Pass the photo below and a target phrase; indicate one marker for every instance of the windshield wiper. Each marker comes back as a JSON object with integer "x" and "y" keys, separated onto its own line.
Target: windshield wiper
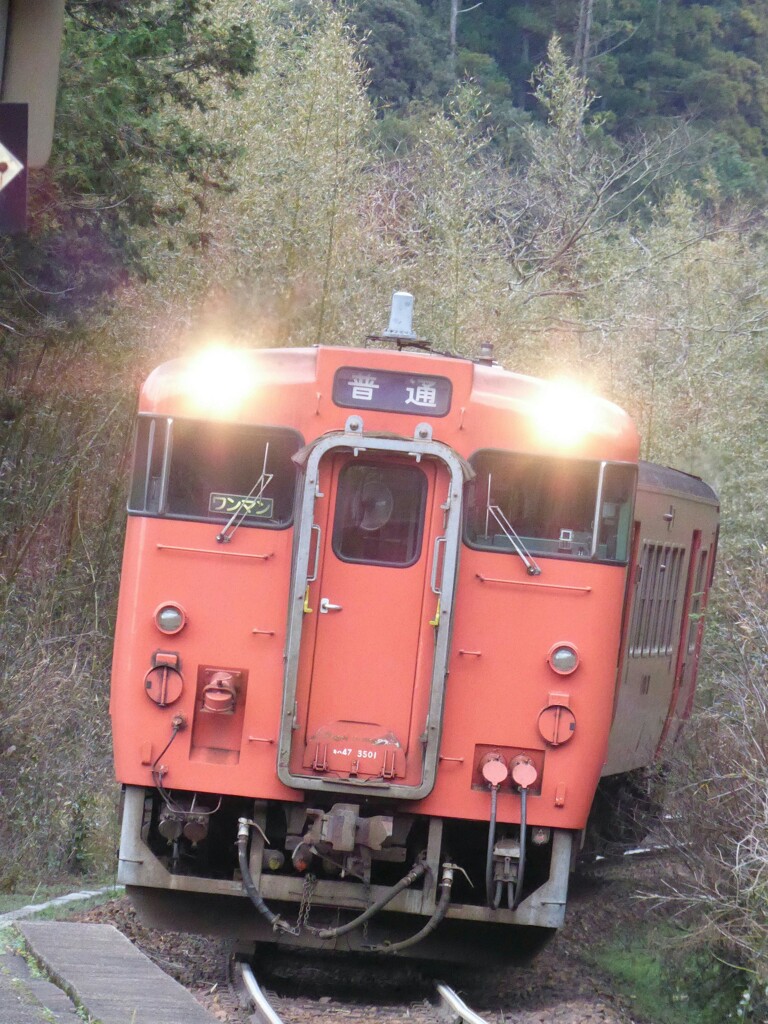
{"x": 509, "y": 532}
{"x": 257, "y": 491}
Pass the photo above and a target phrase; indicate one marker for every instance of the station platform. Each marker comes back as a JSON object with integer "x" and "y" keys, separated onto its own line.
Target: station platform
{"x": 93, "y": 967}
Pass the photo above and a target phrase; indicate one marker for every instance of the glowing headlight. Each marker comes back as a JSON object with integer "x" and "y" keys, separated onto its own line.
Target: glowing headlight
{"x": 565, "y": 413}
{"x": 563, "y": 659}
{"x": 170, "y": 618}
{"x": 219, "y": 378}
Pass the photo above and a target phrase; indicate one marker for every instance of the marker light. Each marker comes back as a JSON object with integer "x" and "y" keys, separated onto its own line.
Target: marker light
{"x": 539, "y": 835}
{"x": 565, "y": 413}
{"x": 219, "y": 378}
{"x": 563, "y": 659}
{"x": 170, "y": 618}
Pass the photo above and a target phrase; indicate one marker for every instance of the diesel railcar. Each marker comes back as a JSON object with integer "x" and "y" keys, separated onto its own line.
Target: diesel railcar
{"x": 387, "y": 617}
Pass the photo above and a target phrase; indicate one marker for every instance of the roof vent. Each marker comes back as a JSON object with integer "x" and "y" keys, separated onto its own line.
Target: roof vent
{"x": 486, "y": 353}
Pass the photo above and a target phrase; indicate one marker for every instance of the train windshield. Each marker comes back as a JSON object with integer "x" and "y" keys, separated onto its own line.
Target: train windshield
{"x": 564, "y": 508}
{"x": 194, "y": 469}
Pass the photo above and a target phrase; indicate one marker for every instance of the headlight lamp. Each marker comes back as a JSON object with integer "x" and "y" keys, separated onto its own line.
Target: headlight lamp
{"x": 565, "y": 413}
{"x": 563, "y": 659}
{"x": 170, "y": 618}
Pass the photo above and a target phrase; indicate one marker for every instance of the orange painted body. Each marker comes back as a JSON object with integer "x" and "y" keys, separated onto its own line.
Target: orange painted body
{"x": 369, "y": 661}
{"x": 495, "y": 698}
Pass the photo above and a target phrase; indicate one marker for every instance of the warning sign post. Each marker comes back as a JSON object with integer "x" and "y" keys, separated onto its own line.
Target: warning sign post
{"x": 14, "y": 127}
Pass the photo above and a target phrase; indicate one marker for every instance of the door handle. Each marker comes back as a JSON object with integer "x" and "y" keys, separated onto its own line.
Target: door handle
{"x": 436, "y": 562}
{"x": 315, "y": 529}
{"x": 326, "y": 606}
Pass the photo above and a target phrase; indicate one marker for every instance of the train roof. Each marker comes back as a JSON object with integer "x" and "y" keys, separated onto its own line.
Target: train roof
{"x": 259, "y": 374}
{"x": 652, "y": 476}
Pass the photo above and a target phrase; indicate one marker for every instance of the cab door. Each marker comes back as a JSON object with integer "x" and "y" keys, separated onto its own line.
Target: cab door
{"x": 368, "y": 652}
{"x": 376, "y": 549}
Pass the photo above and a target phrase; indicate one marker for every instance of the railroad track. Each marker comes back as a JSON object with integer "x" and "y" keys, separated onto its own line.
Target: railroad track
{"x": 451, "y": 1002}
{"x": 454, "y": 1008}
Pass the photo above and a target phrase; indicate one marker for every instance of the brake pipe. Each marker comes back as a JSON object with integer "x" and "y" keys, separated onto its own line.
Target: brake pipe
{"x": 446, "y": 883}
{"x": 489, "y": 893}
{"x": 416, "y": 872}
{"x": 523, "y": 837}
{"x": 524, "y": 775}
{"x": 243, "y": 832}
{"x": 494, "y": 772}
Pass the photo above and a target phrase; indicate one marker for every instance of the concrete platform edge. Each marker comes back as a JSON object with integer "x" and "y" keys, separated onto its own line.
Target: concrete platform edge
{"x": 103, "y": 973}
{"x": 52, "y": 974}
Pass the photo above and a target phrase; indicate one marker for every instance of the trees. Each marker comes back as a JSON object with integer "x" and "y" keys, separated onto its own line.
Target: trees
{"x": 68, "y": 356}
{"x": 648, "y": 62}
{"x": 718, "y": 802}
{"x": 405, "y": 50}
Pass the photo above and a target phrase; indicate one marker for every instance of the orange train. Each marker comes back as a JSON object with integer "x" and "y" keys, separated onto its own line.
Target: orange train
{"x": 386, "y": 620}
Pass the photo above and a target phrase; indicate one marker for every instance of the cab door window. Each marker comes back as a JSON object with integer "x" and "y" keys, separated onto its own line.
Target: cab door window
{"x": 379, "y": 514}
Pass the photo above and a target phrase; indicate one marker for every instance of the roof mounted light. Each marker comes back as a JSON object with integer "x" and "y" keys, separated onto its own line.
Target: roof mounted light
{"x": 565, "y": 413}
{"x": 401, "y": 316}
{"x": 400, "y": 329}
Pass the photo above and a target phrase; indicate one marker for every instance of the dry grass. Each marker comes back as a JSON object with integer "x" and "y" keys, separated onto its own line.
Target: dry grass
{"x": 718, "y": 797}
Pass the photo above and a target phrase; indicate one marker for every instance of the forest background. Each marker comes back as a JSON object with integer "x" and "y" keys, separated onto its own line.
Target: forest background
{"x": 580, "y": 183}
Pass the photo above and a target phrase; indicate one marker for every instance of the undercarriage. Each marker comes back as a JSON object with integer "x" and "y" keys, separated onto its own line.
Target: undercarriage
{"x": 340, "y": 877}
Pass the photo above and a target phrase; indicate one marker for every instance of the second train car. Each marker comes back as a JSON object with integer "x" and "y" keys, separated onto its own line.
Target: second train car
{"x": 386, "y": 619}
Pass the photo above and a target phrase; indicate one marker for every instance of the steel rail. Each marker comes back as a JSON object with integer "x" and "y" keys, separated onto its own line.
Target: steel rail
{"x": 264, "y": 1012}
{"x": 460, "y": 1010}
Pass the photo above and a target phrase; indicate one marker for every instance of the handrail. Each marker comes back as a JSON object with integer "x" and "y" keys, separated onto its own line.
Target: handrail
{"x": 526, "y": 583}
{"x": 209, "y": 551}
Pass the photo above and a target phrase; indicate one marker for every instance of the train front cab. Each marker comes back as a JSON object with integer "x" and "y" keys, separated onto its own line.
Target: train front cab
{"x": 399, "y": 665}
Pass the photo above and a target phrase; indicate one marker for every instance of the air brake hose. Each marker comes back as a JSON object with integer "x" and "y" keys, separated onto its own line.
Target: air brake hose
{"x": 523, "y": 837}
{"x": 493, "y": 894}
{"x": 446, "y": 882}
{"x": 489, "y": 894}
{"x": 331, "y": 933}
{"x": 254, "y": 895}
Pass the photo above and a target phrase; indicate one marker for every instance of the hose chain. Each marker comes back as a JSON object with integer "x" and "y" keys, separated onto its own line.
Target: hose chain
{"x": 310, "y": 884}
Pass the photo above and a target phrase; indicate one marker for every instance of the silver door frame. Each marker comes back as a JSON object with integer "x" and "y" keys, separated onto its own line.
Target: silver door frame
{"x": 354, "y": 439}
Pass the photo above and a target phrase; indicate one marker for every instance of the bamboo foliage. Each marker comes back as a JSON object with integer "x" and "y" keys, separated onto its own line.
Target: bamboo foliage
{"x": 283, "y": 239}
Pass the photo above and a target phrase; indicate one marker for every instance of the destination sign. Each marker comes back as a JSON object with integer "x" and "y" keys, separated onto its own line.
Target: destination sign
{"x": 390, "y": 391}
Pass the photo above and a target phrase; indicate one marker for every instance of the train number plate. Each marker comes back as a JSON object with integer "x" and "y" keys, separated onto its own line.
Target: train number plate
{"x": 329, "y": 750}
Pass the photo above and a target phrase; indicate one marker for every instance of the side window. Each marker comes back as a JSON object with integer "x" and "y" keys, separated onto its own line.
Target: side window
{"x": 379, "y": 514}
{"x": 152, "y": 441}
{"x": 199, "y": 470}
{"x": 615, "y": 513}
